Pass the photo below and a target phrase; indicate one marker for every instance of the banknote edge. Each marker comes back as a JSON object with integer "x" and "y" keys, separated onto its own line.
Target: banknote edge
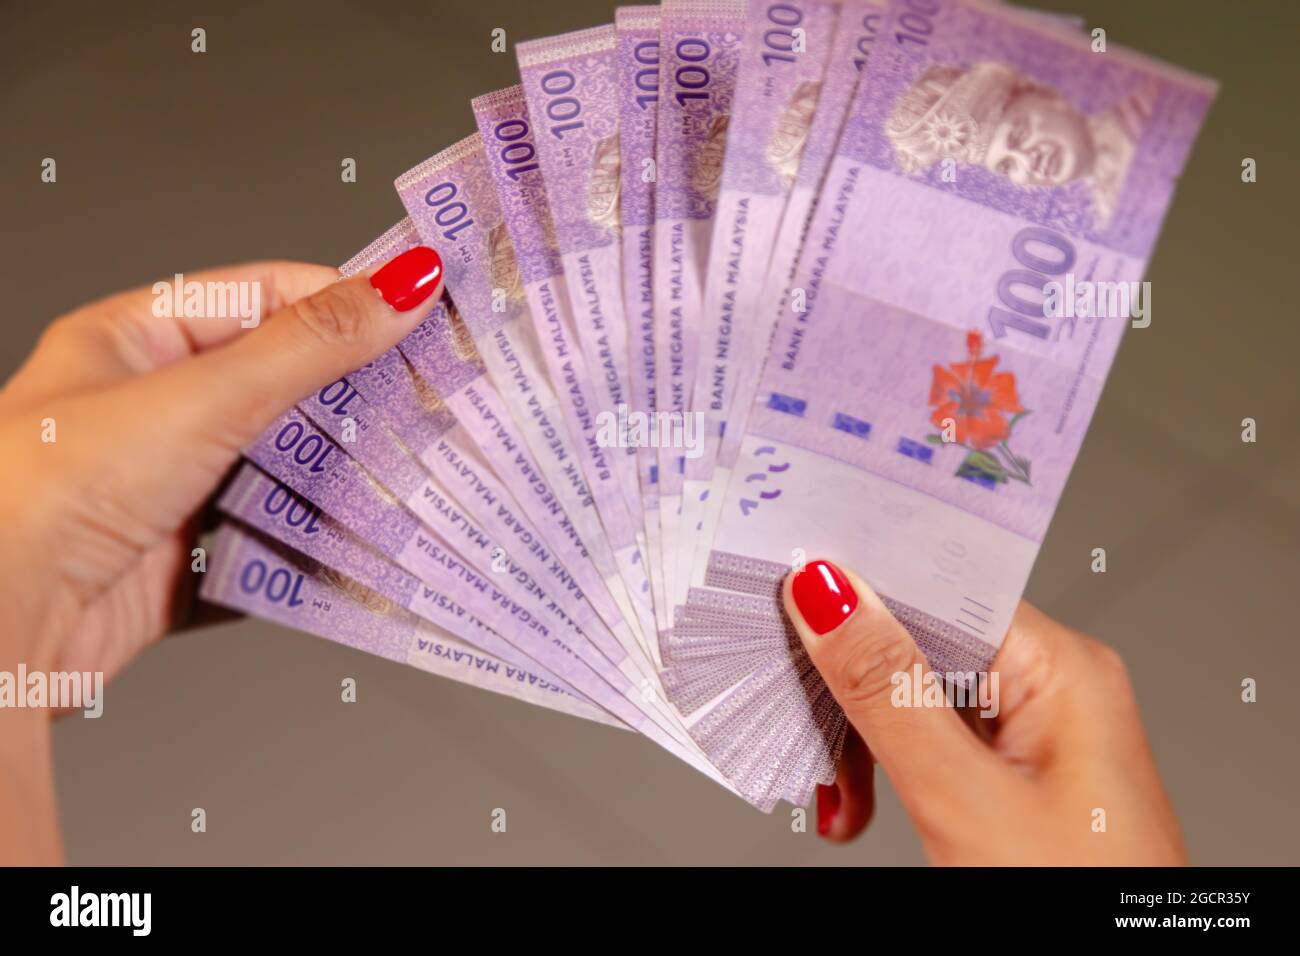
{"x": 234, "y": 529}
{"x": 439, "y": 161}
{"x": 241, "y": 486}
{"x": 638, "y": 17}
{"x": 948, "y": 648}
{"x": 506, "y": 96}
{"x": 378, "y": 250}
{"x": 1159, "y": 68}
{"x": 702, "y": 10}
{"x": 220, "y": 545}
{"x": 600, "y": 39}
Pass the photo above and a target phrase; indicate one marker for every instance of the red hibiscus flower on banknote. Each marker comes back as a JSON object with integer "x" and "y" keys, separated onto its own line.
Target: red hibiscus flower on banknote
{"x": 977, "y": 407}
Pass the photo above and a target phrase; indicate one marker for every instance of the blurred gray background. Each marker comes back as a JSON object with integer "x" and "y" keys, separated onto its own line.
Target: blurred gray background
{"x": 170, "y": 161}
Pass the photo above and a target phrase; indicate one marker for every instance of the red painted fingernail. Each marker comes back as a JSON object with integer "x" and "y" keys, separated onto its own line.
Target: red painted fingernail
{"x": 824, "y": 596}
{"x": 409, "y": 279}
{"x": 828, "y": 804}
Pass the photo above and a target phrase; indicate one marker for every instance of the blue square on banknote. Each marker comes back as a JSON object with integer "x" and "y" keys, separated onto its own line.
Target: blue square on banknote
{"x": 915, "y": 449}
{"x": 787, "y": 403}
{"x": 854, "y": 426}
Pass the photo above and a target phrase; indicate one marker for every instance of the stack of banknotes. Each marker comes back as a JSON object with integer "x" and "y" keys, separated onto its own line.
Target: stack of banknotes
{"x": 729, "y": 285}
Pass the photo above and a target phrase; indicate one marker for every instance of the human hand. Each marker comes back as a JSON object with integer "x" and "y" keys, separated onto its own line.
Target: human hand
{"x": 147, "y": 415}
{"x": 1018, "y": 788}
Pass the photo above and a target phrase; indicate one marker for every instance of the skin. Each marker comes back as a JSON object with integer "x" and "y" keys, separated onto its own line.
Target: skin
{"x": 1016, "y": 789}
{"x": 150, "y": 416}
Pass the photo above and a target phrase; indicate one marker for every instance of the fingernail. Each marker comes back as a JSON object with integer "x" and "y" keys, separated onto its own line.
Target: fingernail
{"x": 824, "y": 596}
{"x": 828, "y": 804}
{"x": 409, "y": 279}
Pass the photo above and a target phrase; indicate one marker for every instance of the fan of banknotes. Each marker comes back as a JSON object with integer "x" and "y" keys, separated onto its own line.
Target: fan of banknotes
{"x": 729, "y": 285}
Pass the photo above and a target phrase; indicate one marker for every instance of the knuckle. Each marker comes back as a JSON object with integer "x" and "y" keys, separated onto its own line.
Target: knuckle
{"x": 331, "y": 315}
{"x": 1108, "y": 662}
{"x": 866, "y": 672}
{"x": 57, "y": 334}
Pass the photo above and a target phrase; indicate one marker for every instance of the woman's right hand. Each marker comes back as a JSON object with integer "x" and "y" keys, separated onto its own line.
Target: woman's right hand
{"x": 1062, "y": 774}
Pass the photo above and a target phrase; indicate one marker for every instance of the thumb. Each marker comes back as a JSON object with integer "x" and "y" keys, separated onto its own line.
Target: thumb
{"x": 153, "y": 447}
{"x": 863, "y": 653}
{"x": 316, "y": 340}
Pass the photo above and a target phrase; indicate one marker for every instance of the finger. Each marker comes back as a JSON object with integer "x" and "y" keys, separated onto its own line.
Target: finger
{"x": 863, "y": 653}
{"x": 1065, "y": 696}
{"x": 138, "y": 458}
{"x": 1070, "y": 717}
{"x": 143, "y": 329}
{"x": 232, "y": 393}
{"x": 845, "y": 807}
{"x": 1046, "y": 693}
{"x": 168, "y": 322}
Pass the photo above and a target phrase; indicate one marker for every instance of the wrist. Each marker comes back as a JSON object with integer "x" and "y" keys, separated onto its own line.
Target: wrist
{"x": 31, "y": 633}
{"x": 28, "y": 823}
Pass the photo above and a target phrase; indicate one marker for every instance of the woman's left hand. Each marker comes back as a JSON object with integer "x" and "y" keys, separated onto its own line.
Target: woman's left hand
{"x": 114, "y": 433}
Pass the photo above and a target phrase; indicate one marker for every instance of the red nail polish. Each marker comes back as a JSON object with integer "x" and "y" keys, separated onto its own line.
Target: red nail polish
{"x": 409, "y": 279}
{"x": 824, "y": 596}
{"x": 828, "y": 804}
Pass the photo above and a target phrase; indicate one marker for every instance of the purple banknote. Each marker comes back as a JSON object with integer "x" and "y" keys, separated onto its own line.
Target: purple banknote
{"x": 434, "y": 393}
{"x": 477, "y": 251}
{"x": 502, "y": 596}
{"x": 509, "y": 142}
{"x": 778, "y": 87}
{"x": 699, "y": 55}
{"x": 730, "y": 285}
{"x": 637, "y": 63}
{"x": 855, "y": 34}
{"x": 571, "y": 87}
{"x": 452, "y": 201}
{"x": 919, "y": 416}
{"x": 250, "y": 575}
